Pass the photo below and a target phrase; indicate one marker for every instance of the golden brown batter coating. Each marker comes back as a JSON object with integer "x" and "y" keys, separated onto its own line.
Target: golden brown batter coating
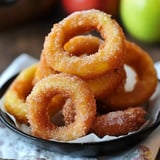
{"x": 119, "y": 122}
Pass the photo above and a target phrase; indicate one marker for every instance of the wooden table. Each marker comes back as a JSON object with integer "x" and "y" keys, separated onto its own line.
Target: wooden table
{"x": 29, "y": 38}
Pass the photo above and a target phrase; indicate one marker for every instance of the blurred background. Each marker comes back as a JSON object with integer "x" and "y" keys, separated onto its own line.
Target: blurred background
{"x": 25, "y": 23}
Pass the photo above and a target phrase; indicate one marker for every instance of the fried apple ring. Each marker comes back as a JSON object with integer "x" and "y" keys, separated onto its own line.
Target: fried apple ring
{"x": 43, "y": 69}
{"x": 104, "y": 84}
{"x": 83, "y": 45}
{"x": 90, "y": 45}
{"x": 119, "y": 122}
{"x": 87, "y": 44}
{"x": 68, "y": 112}
{"x": 110, "y": 53}
{"x": 14, "y": 99}
{"x": 146, "y": 81}
{"x": 70, "y": 87}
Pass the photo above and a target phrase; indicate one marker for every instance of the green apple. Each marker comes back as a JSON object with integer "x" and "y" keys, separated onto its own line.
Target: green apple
{"x": 141, "y": 18}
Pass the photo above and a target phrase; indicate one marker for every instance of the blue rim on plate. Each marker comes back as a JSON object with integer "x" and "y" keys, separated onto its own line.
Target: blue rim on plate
{"x": 88, "y": 149}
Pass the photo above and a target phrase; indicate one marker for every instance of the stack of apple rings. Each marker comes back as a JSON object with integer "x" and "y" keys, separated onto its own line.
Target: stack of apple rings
{"x": 85, "y": 79}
